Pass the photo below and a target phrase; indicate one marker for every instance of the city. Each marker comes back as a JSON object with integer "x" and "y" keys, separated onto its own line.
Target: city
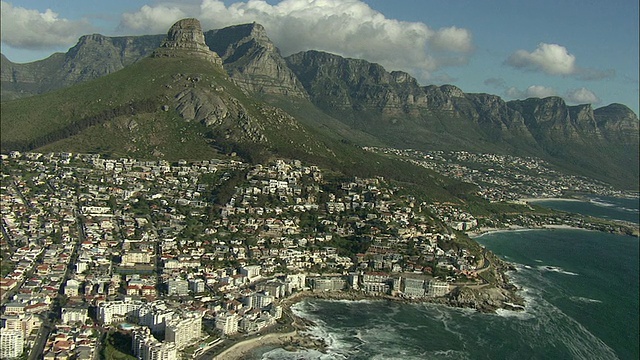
{"x": 188, "y": 257}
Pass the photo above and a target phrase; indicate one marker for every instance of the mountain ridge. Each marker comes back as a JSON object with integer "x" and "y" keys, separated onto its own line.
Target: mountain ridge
{"x": 389, "y": 106}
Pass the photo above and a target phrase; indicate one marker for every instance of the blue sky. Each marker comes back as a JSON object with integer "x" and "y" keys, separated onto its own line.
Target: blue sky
{"x": 582, "y": 50}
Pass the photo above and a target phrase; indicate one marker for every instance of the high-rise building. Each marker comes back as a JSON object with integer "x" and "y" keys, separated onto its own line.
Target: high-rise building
{"x": 11, "y": 343}
{"x": 184, "y": 331}
{"x": 114, "y": 311}
{"x": 178, "y": 287}
{"x": 437, "y": 288}
{"x": 227, "y": 323}
{"x": 414, "y": 287}
{"x": 250, "y": 271}
{"x": 155, "y": 315}
{"x": 74, "y": 314}
{"x": 146, "y": 347}
{"x": 197, "y": 285}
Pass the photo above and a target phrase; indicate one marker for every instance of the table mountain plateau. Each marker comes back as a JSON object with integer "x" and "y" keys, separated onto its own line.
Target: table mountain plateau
{"x": 248, "y": 88}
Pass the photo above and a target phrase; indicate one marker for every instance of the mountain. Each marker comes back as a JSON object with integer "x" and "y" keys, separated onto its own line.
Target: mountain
{"x": 92, "y": 57}
{"x": 139, "y": 104}
{"x": 602, "y": 144}
{"x": 253, "y": 61}
{"x": 249, "y": 56}
{"x": 336, "y": 104}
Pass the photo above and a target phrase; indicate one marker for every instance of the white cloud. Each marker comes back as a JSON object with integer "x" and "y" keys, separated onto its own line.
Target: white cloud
{"x": 552, "y": 59}
{"x": 582, "y": 96}
{"x": 536, "y": 91}
{"x": 555, "y": 59}
{"x": 152, "y": 20}
{"x": 30, "y": 29}
{"x": 453, "y": 39}
{"x": 346, "y": 27}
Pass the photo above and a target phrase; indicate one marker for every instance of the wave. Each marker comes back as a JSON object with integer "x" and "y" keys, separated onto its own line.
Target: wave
{"x": 278, "y": 354}
{"x": 556, "y": 269}
{"x": 432, "y": 331}
{"x": 585, "y": 300}
{"x": 600, "y": 202}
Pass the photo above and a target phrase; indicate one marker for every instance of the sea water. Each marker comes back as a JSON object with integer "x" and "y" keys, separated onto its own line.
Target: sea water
{"x": 581, "y": 290}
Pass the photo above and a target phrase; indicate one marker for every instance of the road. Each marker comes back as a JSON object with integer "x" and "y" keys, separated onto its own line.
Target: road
{"x": 37, "y": 350}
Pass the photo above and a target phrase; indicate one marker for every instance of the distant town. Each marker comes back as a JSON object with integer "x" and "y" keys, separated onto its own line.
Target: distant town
{"x": 107, "y": 257}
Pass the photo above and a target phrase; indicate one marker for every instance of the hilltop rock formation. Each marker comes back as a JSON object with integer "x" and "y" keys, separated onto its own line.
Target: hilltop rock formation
{"x": 186, "y": 39}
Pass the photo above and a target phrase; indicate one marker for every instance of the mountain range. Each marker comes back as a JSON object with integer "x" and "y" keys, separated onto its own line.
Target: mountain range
{"x": 193, "y": 94}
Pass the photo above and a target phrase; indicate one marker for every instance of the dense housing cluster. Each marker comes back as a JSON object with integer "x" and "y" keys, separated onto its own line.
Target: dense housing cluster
{"x": 180, "y": 256}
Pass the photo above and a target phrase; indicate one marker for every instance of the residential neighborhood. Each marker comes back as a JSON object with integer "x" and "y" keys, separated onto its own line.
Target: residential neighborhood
{"x": 179, "y": 257}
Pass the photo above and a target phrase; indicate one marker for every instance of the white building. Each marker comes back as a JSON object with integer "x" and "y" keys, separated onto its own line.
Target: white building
{"x": 11, "y": 343}
{"x": 146, "y": 347}
{"x": 74, "y": 314}
{"x": 414, "y": 287}
{"x": 178, "y": 287}
{"x": 114, "y": 311}
{"x": 82, "y": 266}
{"x": 184, "y": 331}
{"x": 131, "y": 258}
{"x": 155, "y": 315}
{"x": 71, "y": 287}
{"x": 227, "y": 323}
{"x": 197, "y": 285}
{"x": 437, "y": 288}
{"x": 261, "y": 300}
{"x": 250, "y": 271}
{"x": 296, "y": 282}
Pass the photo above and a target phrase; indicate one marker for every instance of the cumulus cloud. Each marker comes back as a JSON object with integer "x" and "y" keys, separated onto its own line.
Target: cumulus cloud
{"x": 582, "y": 96}
{"x": 346, "y": 27}
{"x": 453, "y": 39}
{"x": 576, "y": 96}
{"x": 149, "y": 19}
{"x": 30, "y": 29}
{"x": 552, "y": 59}
{"x": 537, "y": 91}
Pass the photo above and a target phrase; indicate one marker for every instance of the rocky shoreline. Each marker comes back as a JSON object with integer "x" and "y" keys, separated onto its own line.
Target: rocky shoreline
{"x": 485, "y": 298}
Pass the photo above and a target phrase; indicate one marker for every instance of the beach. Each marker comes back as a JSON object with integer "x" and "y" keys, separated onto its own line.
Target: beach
{"x": 241, "y": 349}
{"x": 526, "y": 200}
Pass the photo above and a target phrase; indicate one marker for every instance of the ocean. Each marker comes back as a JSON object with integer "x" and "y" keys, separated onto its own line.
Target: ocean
{"x": 581, "y": 290}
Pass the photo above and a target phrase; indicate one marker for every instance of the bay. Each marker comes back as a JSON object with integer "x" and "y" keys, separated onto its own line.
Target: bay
{"x": 605, "y": 207}
{"x": 581, "y": 290}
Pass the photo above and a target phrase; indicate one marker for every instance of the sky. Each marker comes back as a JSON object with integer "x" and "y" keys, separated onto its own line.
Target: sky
{"x": 585, "y": 51}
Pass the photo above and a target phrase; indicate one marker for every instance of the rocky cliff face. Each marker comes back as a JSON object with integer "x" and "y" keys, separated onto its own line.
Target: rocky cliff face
{"x": 92, "y": 57}
{"x": 253, "y": 61}
{"x": 552, "y": 120}
{"x": 393, "y": 107}
{"x": 351, "y": 84}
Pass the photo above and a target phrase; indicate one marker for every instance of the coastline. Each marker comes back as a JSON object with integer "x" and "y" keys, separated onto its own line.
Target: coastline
{"x": 527, "y": 200}
{"x": 484, "y": 231}
{"x": 480, "y": 298}
{"x": 241, "y": 349}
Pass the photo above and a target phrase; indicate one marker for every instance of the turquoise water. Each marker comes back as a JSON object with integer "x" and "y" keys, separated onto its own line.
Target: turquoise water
{"x": 581, "y": 290}
{"x": 598, "y": 206}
